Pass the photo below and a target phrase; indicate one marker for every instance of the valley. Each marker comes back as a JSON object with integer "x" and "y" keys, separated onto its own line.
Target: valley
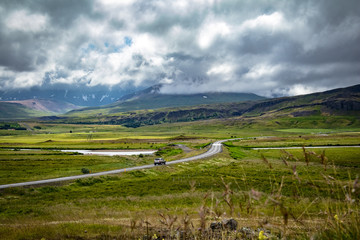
{"x": 111, "y": 204}
{"x": 268, "y": 177}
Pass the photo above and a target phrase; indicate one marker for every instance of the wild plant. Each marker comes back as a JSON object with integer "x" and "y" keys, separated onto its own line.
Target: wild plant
{"x": 187, "y": 226}
{"x": 192, "y": 186}
{"x": 227, "y": 196}
{"x": 203, "y": 213}
{"x": 168, "y": 221}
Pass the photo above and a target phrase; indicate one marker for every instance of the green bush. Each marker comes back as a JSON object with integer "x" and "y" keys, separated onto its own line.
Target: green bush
{"x": 85, "y": 170}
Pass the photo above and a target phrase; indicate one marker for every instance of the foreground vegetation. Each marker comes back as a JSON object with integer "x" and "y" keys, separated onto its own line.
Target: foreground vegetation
{"x": 295, "y": 193}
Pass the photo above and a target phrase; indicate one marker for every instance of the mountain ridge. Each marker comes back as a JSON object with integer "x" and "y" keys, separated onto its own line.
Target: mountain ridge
{"x": 336, "y": 102}
{"x": 152, "y": 98}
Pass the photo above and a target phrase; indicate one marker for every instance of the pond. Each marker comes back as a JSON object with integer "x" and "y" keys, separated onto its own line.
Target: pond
{"x": 113, "y": 152}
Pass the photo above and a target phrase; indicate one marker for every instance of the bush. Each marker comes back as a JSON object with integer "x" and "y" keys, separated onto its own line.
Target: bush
{"x": 85, "y": 170}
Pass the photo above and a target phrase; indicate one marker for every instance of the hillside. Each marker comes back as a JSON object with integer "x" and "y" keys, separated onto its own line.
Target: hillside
{"x": 17, "y": 111}
{"x": 151, "y": 98}
{"x": 23, "y": 109}
{"x": 337, "y": 102}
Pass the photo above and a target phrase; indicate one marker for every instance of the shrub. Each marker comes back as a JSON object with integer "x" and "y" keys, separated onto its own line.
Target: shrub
{"x": 85, "y": 170}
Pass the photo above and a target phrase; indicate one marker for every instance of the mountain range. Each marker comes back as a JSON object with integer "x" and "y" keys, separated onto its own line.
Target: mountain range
{"x": 337, "y": 102}
{"x": 36, "y": 102}
{"x": 152, "y": 98}
{"x": 77, "y": 95}
{"x": 150, "y": 106}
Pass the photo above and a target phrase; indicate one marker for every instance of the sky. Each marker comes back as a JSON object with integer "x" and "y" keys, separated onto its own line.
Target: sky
{"x": 267, "y": 47}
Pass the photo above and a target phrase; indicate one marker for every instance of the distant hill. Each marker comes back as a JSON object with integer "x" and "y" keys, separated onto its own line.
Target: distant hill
{"x": 76, "y": 94}
{"x": 341, "y": 101}
{"x": 337, "y": 102}
{"x": 12, "y": 111}
{"x": 33, "y": 108}
{"x": 152, "y": 98}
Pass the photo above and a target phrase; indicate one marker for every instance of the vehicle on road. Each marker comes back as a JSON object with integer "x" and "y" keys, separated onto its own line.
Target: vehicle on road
{"x": 159, "y": 161}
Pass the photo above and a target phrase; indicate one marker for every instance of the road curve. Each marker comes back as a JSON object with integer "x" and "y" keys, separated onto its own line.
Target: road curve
{"x": 215, "y": 148}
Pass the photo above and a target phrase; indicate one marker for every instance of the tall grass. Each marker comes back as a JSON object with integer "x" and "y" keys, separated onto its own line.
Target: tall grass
{"x": 333, "y": 212}
{"x": 300, "y": 195}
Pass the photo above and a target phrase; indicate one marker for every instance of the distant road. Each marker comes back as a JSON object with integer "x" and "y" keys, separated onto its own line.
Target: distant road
{"x": 310, "y": 147}
{"x": 215, "y": 148}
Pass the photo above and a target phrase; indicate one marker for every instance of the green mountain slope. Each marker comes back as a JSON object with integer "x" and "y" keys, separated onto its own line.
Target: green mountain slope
{"x": 24, "y": 109}
{"x": 17, "y": 111}
{"x": 342, "y": 101}
{"x": 339, "y": 102}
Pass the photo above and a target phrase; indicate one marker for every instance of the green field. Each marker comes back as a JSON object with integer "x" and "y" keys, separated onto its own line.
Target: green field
{"x": 319, "y": 198}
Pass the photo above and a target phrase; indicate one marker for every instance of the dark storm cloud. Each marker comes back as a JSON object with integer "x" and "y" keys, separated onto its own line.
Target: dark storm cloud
{"x": 62, "y": 13}
{"x": 273, "y": 47}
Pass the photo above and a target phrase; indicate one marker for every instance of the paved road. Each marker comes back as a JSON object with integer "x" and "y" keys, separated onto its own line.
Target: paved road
{"x": 215, "y": 148}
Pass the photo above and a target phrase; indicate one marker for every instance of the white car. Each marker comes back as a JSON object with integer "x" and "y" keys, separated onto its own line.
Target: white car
{"x": 159, "y": 161}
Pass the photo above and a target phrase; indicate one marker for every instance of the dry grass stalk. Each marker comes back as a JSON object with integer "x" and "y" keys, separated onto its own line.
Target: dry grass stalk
{"x": 168, "y": 221}
{"x": 133, "y": 223}
{"x": 227, "y": 196}
{"x": 147, "y": 223}
{"x": 323, "y": 159}
{"x": 186, "y": 221}
{"x": 192, "y": 186}
{"x": 217, "y": 211}
{"x": 295, "y": 173}
{"x": 306, "y": 156}
{"x": 266, "y": 161}
{"x": 285, "y": 155}
{"x": 255, "y": 194}
{"x": 203, "y": 212}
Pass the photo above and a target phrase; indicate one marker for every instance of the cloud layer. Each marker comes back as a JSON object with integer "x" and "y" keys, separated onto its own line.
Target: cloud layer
{"x": 275, "y": 47}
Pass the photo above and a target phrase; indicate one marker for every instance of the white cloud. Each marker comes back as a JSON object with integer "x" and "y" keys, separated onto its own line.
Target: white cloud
{"x": 210, "y": 31}
{"x": 262, "y": 70}
{"x": 116, "y": 3}
{"x": 223, "y": 72}
{"x": 22, "y": 20}
{"x": 300, "y": 89}
{"x": 272, "y": 22}
{"x": 24, "y": 79}
{"x": 220, "y": 69}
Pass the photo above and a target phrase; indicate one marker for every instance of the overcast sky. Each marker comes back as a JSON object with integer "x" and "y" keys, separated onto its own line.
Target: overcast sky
{"x": 269, "y": 47}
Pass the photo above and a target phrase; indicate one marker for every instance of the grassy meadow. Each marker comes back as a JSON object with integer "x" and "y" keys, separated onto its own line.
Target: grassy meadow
{"x": 293, "y": 194}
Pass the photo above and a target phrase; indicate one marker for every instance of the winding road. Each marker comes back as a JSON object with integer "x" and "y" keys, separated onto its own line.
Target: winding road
{"x": 215, "y": 148}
